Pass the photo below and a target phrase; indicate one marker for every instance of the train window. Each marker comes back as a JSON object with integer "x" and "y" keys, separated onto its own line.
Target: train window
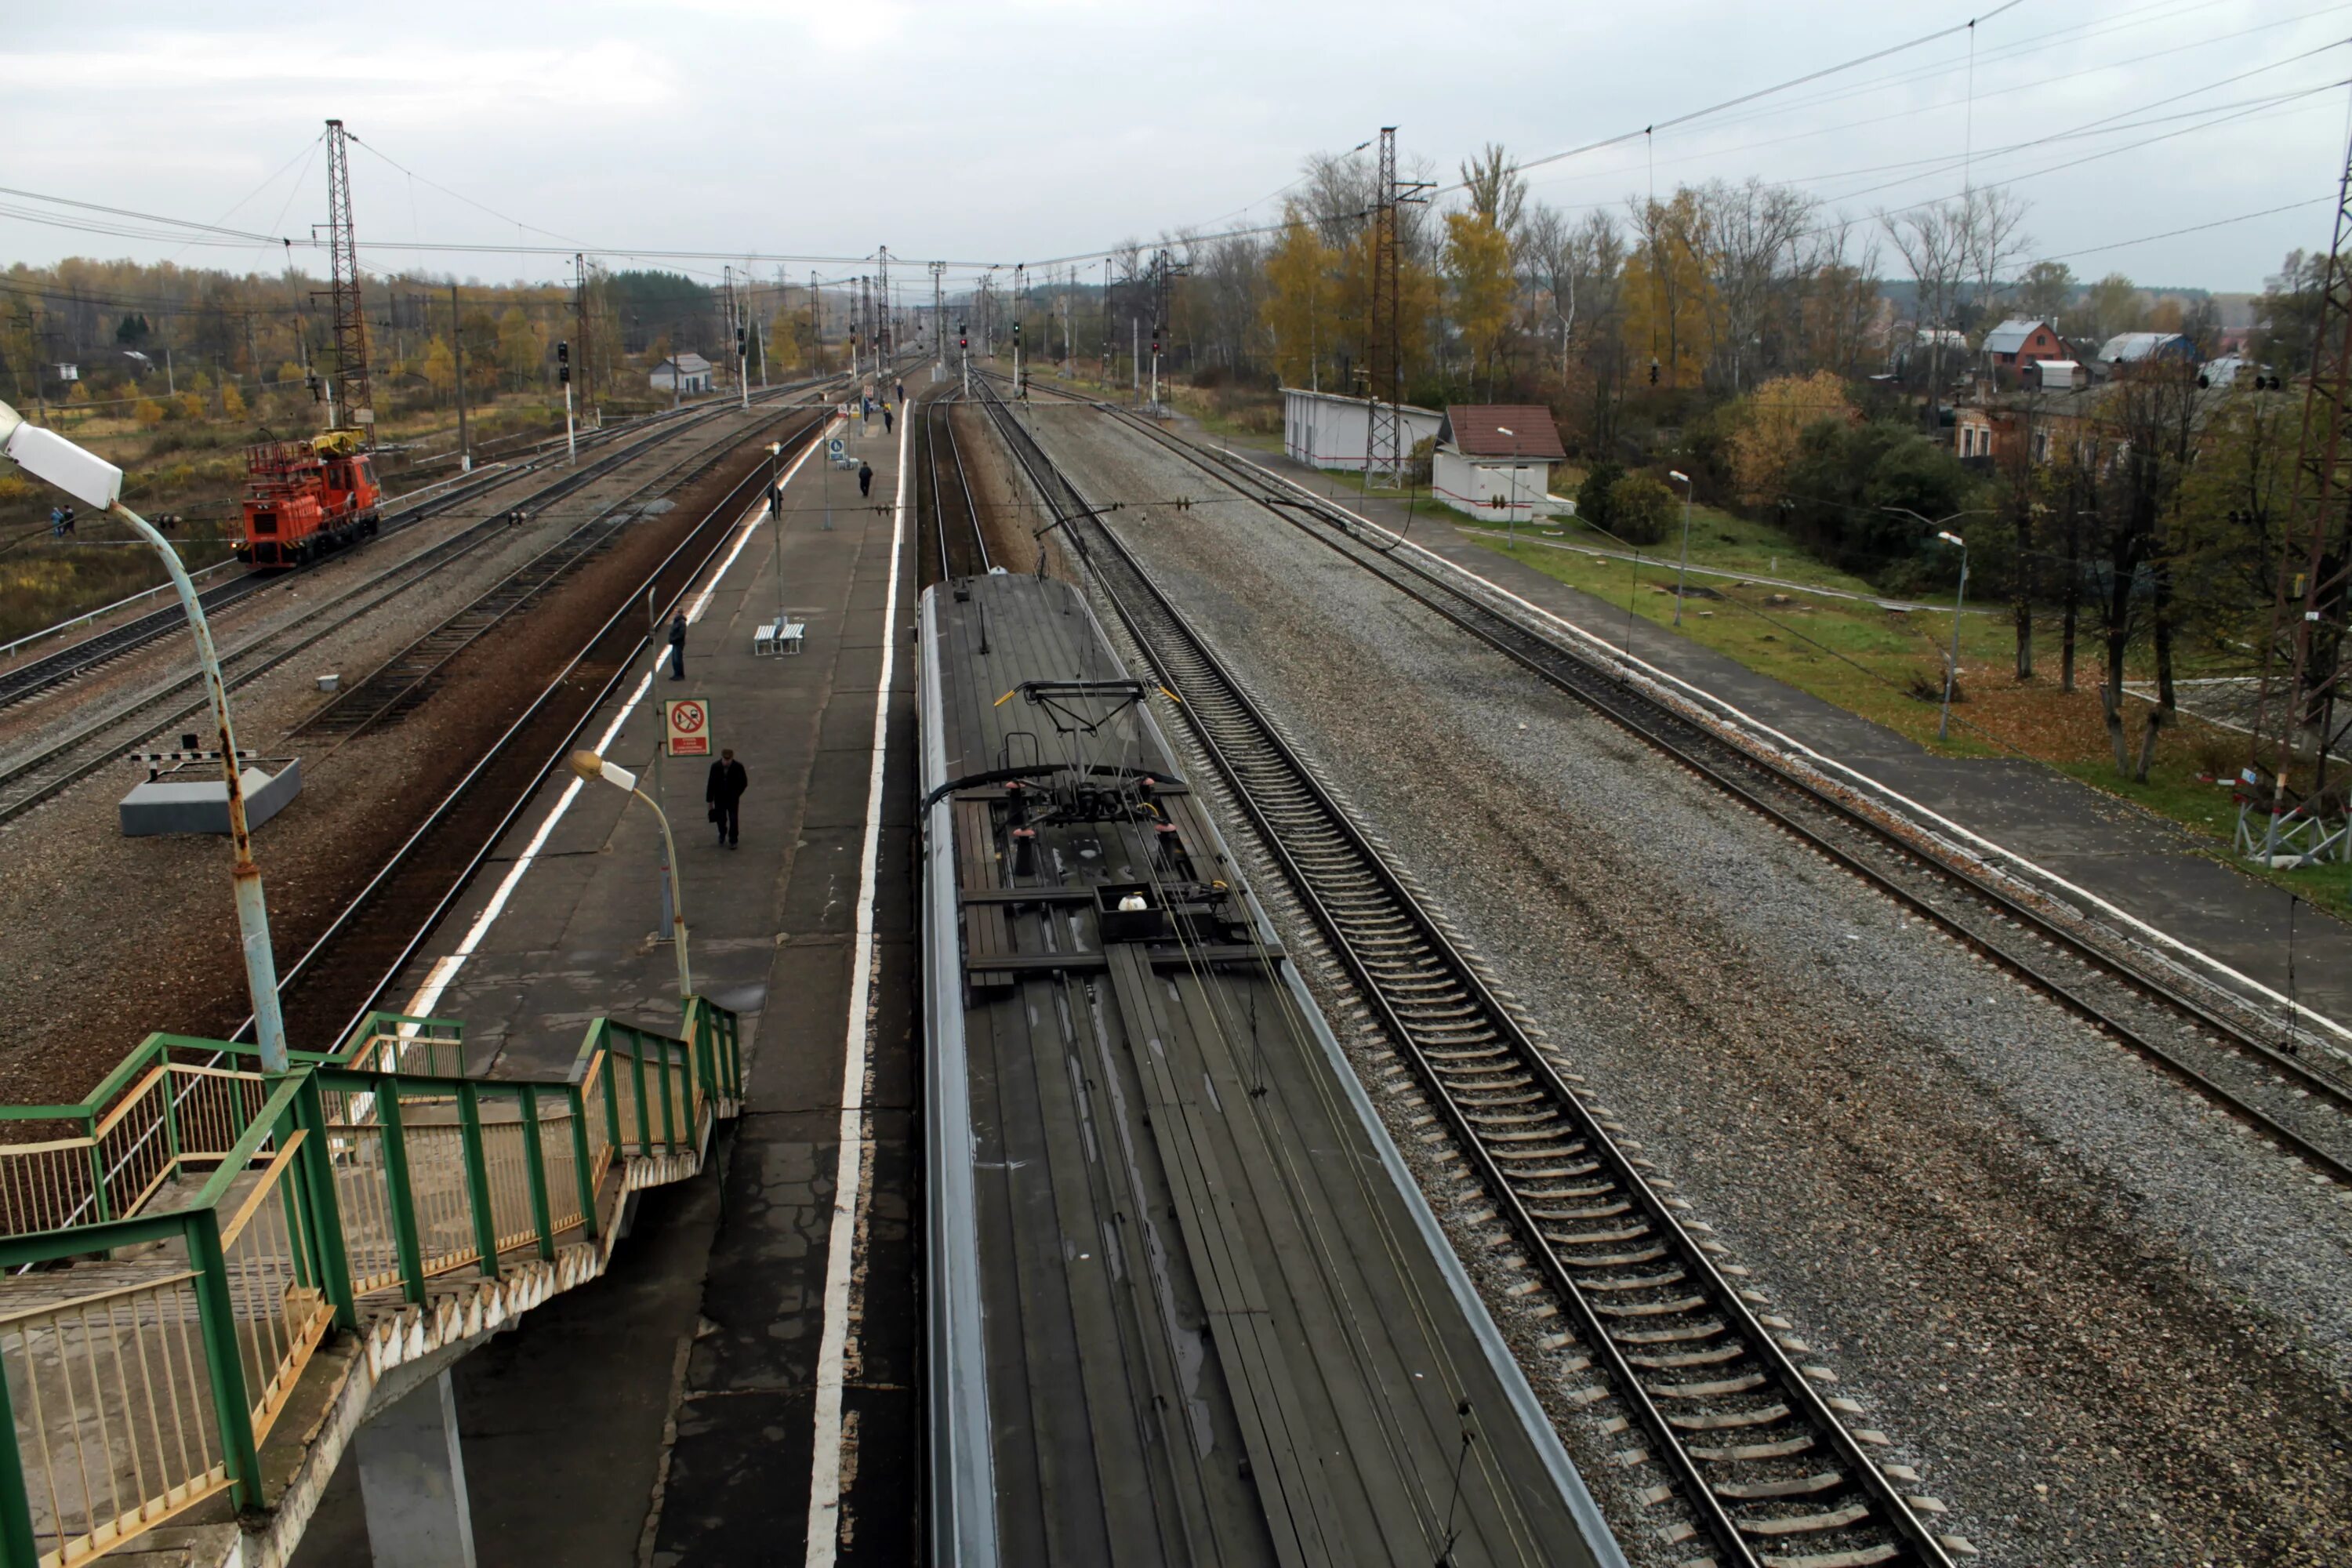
{"x": 265, "y": 522}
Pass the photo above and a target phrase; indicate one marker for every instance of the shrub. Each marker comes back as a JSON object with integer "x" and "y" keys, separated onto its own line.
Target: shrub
{"x": 147, "y": 412}
{"x": 1640, "y": 509}
{"x": 1592, "y": 495}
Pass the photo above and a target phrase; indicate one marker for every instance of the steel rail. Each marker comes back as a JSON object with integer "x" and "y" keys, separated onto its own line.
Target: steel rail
{"x": 1752, "y": 781}
{"x": 391, "y": 691}
{"x": 1462, "y": 1041}
{"x": 78, "y": 658}
{"x": 322, "y": 619}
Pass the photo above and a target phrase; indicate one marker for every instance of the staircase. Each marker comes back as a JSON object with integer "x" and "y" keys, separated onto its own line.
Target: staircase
{"x": 208, "y": 1271}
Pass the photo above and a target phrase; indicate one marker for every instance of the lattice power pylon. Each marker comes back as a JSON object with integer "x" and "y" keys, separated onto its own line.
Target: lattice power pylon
{"x": 1384, "y": 443}
{"x": 940, "y": 314}
{"x": 2308, "y": 617}
{"x": 885, "y": 339}
{"x": 354, "y": 403}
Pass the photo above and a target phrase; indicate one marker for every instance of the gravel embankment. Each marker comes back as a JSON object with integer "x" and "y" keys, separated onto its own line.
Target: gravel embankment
{"x": 107, "y": 937}
{"x": 2105, "y": 1325}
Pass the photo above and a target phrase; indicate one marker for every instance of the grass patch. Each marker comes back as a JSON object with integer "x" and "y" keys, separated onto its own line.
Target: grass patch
{"x": 1870, "y": 661}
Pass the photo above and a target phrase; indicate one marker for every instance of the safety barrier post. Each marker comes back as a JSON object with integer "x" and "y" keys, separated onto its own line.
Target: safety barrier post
{"x": 477, "y": 1177}
{"x": 580, "y": 1166}
{"x": 398, "y": 1189}
{"x": 171, "y": 1115}
{"x": 216, "y": 1320}
{"x": 100, "y": 1207}
{"x": 16, "y": 1542}
{"x": 735, "y": 1059}
{"x": 534, "y": 1162}
{"x": 316, "y": 1169}
{"x": 638, "y": 1078}
{"x": 669, "y": 1119}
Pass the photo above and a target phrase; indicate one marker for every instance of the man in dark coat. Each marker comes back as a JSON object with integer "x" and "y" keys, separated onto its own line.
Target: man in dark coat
{"x": 864, "y": 478}
{"x": 678, "y": 647}
{"x": 725, "y": 794}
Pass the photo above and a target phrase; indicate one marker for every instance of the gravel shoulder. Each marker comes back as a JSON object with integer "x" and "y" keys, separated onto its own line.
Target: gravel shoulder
{"x": 2106, "y": 1325}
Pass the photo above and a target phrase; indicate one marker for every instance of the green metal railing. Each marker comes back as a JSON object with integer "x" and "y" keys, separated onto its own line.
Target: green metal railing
{"x": 176, "y": 1245}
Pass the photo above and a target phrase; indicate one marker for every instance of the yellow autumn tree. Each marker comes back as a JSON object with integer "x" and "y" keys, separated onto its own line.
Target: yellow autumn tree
{"x": 785, "y": 333}
{"x": 1772, "y": 420}
{"x": 1300, "y": 297}
{"x": 232, "y": 401}
{"x": 1669, "y": 298}
{"x": 520, "y": 349}
{"x": 440, "y": 368}
{"x": 1478, "y": 265}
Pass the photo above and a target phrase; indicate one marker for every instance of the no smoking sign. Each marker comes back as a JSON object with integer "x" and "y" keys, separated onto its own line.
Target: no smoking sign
{"x": 688, "y": 723}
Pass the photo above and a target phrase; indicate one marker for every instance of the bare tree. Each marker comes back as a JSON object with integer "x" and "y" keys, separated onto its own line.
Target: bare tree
{"x": 1756, "y": 229}
{"x": 1933, "y": 242}
{"x": 1992, "y": 239}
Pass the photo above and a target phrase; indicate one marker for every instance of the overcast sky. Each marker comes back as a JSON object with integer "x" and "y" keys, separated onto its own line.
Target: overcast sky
{"x": 1030, "y": 129}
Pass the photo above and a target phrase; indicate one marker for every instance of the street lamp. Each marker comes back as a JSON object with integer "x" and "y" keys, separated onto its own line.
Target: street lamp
{"x": 776, "y": 526}
{"x": 595, "y": 769}
{"x": 1959, "y": 601}
{"x": 1684, "y": 570}
{"x": 1959, "y": 604}
{"x": 95, "y": 482}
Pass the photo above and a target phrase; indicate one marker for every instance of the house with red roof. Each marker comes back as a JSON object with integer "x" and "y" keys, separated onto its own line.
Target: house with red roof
{"x": 1494, "y": 460}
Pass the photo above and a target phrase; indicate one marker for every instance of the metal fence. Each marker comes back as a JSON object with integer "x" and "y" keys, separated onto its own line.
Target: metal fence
{"x": 177, "y": 1245}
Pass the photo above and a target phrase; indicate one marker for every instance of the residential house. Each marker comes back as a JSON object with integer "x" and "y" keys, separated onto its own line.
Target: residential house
{"x": 2019, "y": 344}
{"x": 1494, "y": 460}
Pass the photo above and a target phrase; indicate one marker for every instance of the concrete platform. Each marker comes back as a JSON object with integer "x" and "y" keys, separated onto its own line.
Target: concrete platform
{"x": 671, "y": 1409}
{"x": 2155, "y": 872}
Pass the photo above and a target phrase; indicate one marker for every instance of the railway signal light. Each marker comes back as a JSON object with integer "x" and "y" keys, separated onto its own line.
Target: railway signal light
{"x": 1653, "y": 372}
{"x": 563, "y": 363}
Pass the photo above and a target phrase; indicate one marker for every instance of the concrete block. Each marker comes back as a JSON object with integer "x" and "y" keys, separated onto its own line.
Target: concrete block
{"x": 191, "y": 805}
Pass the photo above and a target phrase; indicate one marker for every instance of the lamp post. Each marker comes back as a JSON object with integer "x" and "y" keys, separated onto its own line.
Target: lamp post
{"x": 1682, "y": 570}
{"x": 1959, "y": 601}
{"x": 96, "y": 483}
{"x": 595, "y": 769}
{"x": 776, "y": 525}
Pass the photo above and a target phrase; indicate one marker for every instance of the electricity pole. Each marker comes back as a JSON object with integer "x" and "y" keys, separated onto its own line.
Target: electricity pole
{"x": 351, "y": 373}
{"x": 938, "y": 314}
{"x": 457, "y": 345}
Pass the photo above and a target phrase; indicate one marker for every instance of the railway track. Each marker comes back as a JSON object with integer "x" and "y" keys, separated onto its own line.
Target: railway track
{"x": 2301, "y": 1110}
{"x": 402, "y": 683}
{"x": 51, "y": 767}
{"x": 345, "y": 971}
{"x": 955, "y": 514}
{"x": 93, "y": 653}
{"x": 1756, "y": 1456}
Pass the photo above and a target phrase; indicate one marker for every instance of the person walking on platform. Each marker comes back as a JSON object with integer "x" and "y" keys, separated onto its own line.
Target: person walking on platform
{"x": 886, "y": 419}
{"x": 902, "y": 392}
{"x": 725, "y": 794}
{"x": 678, "y": 647}
{"x": 864, "y": 478}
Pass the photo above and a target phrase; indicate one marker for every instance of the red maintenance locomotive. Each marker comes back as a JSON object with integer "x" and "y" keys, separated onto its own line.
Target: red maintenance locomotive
{"x": 306, "y": 497}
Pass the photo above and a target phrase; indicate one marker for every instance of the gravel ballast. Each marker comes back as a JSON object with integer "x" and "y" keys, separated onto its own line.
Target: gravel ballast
{"x": 2105, "y": 1323}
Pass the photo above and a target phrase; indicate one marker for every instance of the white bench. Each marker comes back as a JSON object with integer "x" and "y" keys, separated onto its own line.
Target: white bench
{"x": 778, "y": 637}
